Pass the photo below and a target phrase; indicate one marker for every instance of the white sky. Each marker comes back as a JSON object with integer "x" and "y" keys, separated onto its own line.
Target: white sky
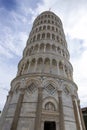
{"x": 15, "y": 25}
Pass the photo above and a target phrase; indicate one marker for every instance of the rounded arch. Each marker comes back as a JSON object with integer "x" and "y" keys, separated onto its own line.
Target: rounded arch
{"x": 33, "y": 61}
{"x": 54, "y": 48}
{"x": 17, "y": 87}
{"x": 44, "y": 27}
{"x": 61, "y": 68}
{"x": 59, "y": 50}
{"x": 54, "y": 67}
{"x": 33, "y": 80}
{"x": 36, "y": 29}
{"x": 41, "y": 21}
{"x": 26, "y": 66}
{"x": 54, "y": 62}
{"x": 43, "y": 35}
{"x": 47, "y": 47}
{"x": 48, "y": 35}
{"x": 52, "y": 22}
{"x": 36, "y": 48}
{"x": 48, "y": 21}
{"x": 56, "y": 30}
{"x": 34, "y": 38}
{"x": 42, "y": 47}
{"x": 45, "y": 15}
{"x": 50, "y": 106}
{"x": 47, "y": 61}
{"x": 48, "y": 27}
{"x": 32, "y": 65}
{"x": 53, "y": 102}
{"x": 38, "y": 37}
{"x": 53, "y": 28}
{"x": 53, "y": 37}
{"x": 57, "y": 38}
{"x": 39, "y": 65}
{"x": 40, "y": 28}
{"x": 47, "y": 65}
{"x": 30, "y": 50}
{"x": 40, "y": 61}
{"x": 60, "y": 65}
{"x": 45, "y": 21}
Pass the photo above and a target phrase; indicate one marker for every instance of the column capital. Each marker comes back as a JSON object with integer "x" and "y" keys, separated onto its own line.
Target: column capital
{"x": 40, "y": 89}
{"x": 73, "y": 97}
{"x": 59, "y": 93}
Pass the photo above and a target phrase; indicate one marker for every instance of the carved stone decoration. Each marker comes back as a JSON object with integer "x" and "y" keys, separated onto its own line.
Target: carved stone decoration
{"x": 50, "y": 106}
{"x": 50, "y": 89}
{"x": 31, "y": 88}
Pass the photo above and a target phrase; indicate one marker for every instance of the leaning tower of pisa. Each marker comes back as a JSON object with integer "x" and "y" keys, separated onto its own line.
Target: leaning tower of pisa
{"x": 43, "y": 96}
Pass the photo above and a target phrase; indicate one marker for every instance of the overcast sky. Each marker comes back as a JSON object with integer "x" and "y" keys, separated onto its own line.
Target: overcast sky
{"x": 16, "y": 18}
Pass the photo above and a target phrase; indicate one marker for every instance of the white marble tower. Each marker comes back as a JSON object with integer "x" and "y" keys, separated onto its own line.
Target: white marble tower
{"x": 43, "y": 96}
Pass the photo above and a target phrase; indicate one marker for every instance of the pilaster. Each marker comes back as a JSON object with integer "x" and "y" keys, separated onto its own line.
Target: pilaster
{"x": 17, "y": 111}
{"x": 61, "y": 113}
{"x": 38, "y": 110}
{"x": 57, "y": 68}
{"x": 82, "y": 121}
{"x": 77, "y": 113}
{"x": 6, "y": 107}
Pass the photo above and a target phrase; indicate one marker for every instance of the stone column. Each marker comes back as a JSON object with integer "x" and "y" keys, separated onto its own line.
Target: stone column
{"x": 56, "y": 49}
{"x": 35, "y": 66}
{"x": 61, "y": 114}
{"x": 42, "y": 69}
{"x": 38, "y": 110}
{"x": 81, "y": 116}
{"x": 32, "y": 50}
{"x": 64, "y": 70}
{"x": 17, "y": 111}
{"x": 44, "y": 48}
{"x": 51, "y": 66}
{"x": 77, "y": 114}
{"x": 3, "y": 116}
{"x": 58, "y": 68}
{"x": 38, "y": 50}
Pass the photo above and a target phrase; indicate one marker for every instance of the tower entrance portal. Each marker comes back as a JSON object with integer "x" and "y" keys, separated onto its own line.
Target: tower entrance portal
{"x": 49, "y": 125}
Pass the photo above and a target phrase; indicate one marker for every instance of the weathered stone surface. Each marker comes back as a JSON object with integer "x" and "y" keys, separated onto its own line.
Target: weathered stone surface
{"x": 43, "y": 94}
